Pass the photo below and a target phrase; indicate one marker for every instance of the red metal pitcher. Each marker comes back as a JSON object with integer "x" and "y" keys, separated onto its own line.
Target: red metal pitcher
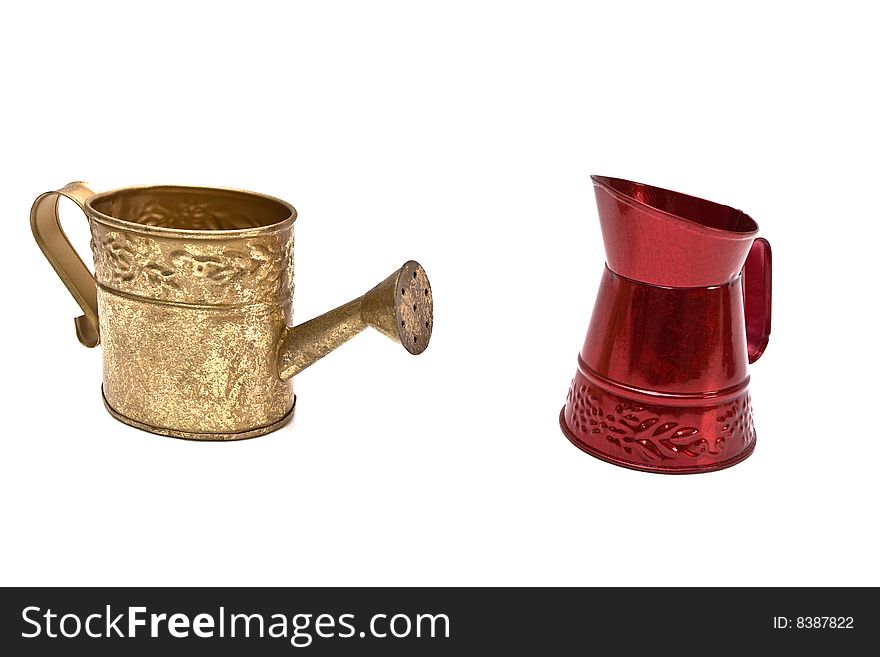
{"x": 683, "y": 308}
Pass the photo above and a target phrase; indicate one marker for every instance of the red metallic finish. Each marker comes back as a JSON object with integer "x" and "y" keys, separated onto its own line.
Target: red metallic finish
{"x": 666, "y": 238}
{"x": 757, "y": 279}
{"x": 683, "y": 308}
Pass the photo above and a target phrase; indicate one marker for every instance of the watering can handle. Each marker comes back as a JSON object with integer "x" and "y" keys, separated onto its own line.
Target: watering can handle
{"x": 757, "y": 284}
{"x": 67, "y": 264}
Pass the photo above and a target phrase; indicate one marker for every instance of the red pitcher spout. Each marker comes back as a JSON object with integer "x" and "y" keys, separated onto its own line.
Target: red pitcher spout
{"x": 657, "y": 236}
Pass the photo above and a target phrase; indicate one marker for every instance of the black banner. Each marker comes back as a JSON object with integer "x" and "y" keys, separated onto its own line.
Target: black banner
{"x": 407, "y": 621}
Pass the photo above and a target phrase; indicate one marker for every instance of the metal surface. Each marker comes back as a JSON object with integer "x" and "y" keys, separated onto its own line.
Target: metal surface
{"x": 192, "y": 301}
{"x": 401, "y": 307}
{"x": 67, "y": 264}
{"x": 683, "y": 307}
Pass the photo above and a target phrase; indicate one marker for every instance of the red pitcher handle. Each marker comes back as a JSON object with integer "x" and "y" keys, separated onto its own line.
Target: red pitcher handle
{"x": 757, "y": 280}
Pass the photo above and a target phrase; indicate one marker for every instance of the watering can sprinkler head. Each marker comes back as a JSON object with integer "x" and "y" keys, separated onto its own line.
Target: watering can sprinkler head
{"x": 401, "y": 307}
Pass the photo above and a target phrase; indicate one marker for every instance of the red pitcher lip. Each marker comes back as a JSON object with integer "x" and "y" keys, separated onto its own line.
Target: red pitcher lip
{"x": 692, "y": 210}
{"x": 666, "y": 238}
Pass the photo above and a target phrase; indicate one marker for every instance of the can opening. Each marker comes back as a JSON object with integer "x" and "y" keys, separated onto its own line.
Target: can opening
{"x": 191, "y": 208}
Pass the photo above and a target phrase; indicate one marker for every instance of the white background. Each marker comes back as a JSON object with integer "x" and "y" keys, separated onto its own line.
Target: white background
{"x": 461, "y": 135}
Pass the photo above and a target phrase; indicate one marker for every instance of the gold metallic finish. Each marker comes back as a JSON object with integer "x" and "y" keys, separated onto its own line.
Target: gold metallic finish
{"x": 60, "y": 254}
{"x": 192, "y": 301}
{"x": 188, "y": 435}
{"x": 401, "y": 307}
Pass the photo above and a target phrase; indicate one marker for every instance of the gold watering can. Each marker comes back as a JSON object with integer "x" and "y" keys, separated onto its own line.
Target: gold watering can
{"x": 191, "y": 300}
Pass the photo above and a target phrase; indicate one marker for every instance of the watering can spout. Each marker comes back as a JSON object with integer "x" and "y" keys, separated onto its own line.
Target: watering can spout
{"x": 401, "y": 307}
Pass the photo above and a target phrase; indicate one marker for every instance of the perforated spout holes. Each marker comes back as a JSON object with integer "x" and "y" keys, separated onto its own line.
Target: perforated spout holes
{"x": 414, "y": 304}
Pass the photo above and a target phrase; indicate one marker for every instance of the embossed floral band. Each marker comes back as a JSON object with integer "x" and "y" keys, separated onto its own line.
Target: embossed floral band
{"x": 191, "y": 301}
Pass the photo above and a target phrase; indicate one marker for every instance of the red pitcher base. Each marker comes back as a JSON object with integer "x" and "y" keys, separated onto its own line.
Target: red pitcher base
{"x": 663, "y": 438}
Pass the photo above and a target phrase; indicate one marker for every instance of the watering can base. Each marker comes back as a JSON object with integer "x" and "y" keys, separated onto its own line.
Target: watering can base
{"x": 189, "y": 435}
{"x": 657, "y": 438}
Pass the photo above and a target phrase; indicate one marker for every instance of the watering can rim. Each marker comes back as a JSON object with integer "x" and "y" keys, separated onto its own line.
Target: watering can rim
{"x": 119, "y": 222}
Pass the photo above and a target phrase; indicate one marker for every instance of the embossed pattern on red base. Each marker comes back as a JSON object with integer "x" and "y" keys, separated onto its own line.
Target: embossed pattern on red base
{"x": 658, "y": 437}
